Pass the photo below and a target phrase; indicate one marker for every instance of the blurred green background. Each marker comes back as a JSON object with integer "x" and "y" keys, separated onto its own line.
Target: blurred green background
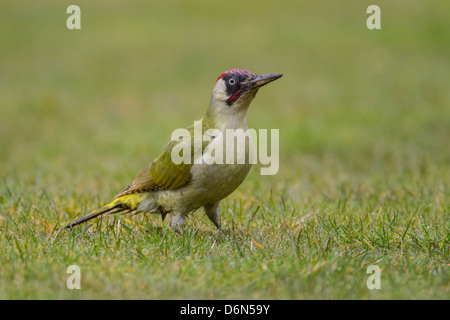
{"x": 99, "y": 103}
{"x": 359, "y": 111}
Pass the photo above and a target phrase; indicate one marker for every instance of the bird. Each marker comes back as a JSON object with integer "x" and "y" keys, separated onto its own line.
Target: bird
{"x": 179, "y": 188}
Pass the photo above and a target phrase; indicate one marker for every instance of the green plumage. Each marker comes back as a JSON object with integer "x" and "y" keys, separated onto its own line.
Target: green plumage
{"x": 163, "y": 173}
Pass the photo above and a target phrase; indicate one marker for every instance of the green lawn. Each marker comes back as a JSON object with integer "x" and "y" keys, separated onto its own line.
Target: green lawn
{"x": 364, "y": 119}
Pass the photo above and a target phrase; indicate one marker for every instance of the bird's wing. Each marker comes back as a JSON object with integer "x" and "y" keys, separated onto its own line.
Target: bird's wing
{"x": 163, "y": 173}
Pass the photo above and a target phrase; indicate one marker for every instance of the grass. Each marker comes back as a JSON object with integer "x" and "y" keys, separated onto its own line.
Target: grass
{"x": 364, "y": 155}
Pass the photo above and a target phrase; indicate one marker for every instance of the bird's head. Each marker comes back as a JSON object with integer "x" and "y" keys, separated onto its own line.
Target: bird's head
{"x": 236, "y": 88}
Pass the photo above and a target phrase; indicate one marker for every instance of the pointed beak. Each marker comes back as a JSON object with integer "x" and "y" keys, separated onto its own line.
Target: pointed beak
{"x": 259, "y": 81}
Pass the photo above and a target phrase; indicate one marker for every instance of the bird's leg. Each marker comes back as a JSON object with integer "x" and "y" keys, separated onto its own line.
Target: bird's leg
{"x": 162, "y": 212}
{"x": 213, "y": 212}
{"x": 177, "y": 222}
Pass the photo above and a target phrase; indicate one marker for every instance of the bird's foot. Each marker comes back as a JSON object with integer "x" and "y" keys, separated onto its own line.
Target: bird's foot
{"x": 177, "y": 223}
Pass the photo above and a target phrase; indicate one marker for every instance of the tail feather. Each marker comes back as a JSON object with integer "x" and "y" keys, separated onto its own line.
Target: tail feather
{"x": 125, "y": 204}
{"x": 92, "y": 216}
{"x": 129, "y": 211}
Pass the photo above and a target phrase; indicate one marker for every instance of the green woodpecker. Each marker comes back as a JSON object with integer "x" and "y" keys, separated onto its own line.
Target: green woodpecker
{"x": 179, "y": 188}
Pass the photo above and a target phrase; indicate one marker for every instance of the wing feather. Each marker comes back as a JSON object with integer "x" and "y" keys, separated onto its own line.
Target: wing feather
{"x": 163, "y": 173}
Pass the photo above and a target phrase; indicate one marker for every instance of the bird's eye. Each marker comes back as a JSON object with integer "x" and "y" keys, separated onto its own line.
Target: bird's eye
{"x": 232, "y": 81}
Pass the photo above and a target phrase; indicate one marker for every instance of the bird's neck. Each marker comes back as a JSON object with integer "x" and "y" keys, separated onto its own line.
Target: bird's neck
{"x": 224, "y": 117}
